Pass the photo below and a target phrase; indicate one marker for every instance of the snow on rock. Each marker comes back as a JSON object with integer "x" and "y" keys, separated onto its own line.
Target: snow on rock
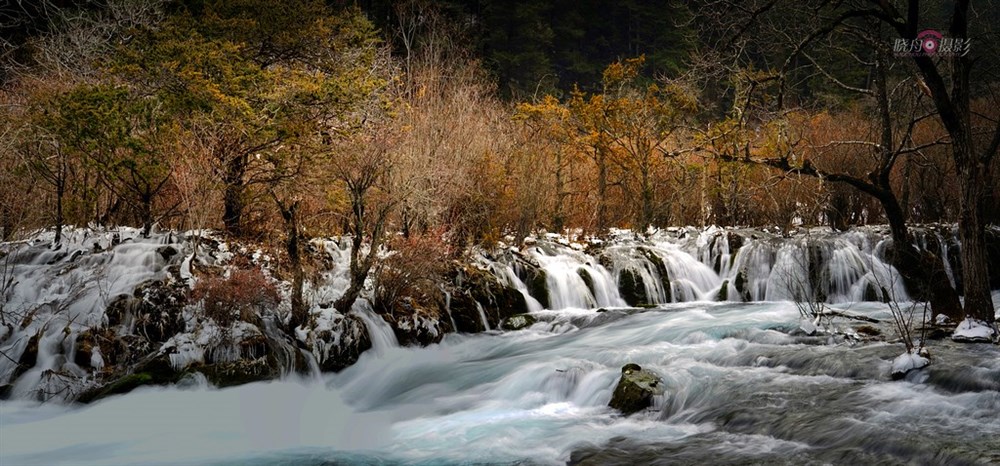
{"x": 808, "y": 326}
{"x": 973, "y": 331}
{"x": 906, "y": 362}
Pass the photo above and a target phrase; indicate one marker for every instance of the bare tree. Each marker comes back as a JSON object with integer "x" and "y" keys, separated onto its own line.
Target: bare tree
{"x": 824, "y": 25}
{"x": 364, "y": 166}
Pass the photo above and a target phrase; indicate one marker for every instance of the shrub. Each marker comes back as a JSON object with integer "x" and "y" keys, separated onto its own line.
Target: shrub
{"x": 415, "y": 268}
{"x": 241, "y": 296}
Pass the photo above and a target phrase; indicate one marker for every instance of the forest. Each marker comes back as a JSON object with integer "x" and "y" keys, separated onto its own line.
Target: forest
{"x": 471, "y": 121}
{"x": 499, "y": 232}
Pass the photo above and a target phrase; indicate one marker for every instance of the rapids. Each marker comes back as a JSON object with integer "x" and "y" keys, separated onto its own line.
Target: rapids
{"x": 742, "y": 385}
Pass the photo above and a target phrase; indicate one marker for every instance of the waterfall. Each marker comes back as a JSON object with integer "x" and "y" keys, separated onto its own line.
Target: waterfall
{"x": 447, "y": 308}
{"x": 944, "y": 259}
{"x": 683, "y": 265}
{"x": 567, "y": 275}
{"x": 482, "y": 316}
{"x": 507, "y": 273}
{"x": 379, "y": 331}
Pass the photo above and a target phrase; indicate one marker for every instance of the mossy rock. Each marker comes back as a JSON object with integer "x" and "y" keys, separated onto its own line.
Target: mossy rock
{"x": 876, "y": 293}
{"x": 405, "y": 322}
{"x": 538, "y": 286}
{"x": 635, "y": 389}
{"x": 156, "y": 371}
{"x": 723, "y": 294}
{"x": 631, "y": 288}
{"x": 518, "y": 322}
{"x": 354, "y": 340}
{"x": 465, "y": 314}
{"x": 587, "y": 280}
{"x": 740, "y": 282}
{"x": 239, "y": 372}
{"x": 28, "y": 358}
{"x": 868, "y": 330}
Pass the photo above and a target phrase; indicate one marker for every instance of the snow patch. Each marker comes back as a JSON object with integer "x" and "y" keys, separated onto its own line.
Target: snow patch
{"x": 908, "y": 361}
{"x": 973, "y": 331}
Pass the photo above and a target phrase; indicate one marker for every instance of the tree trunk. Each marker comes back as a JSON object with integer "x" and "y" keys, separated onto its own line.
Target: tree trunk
{"x": 972, "y": 234}
{"x": 234, "y": 196}
{"x": 6, "y": 222}
{"x": 647, "y": 200}
{"x": 359, "y": 267}
{"x": 359, "y": 273}
{"x": 292, "y": 247}
{"x": 923, "y": 274}
{"x": 602, "y": 191}
{"x": 558, "y": 219}
{"x": 60, "y": 193}
{"x": 147, "y": 214}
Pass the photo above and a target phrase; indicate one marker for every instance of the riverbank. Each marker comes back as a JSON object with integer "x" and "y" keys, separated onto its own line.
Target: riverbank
{"x": 110, "y": 311}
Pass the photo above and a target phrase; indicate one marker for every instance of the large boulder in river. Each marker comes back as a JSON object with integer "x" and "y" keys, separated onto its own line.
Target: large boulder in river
{"x": 635, "y": 389}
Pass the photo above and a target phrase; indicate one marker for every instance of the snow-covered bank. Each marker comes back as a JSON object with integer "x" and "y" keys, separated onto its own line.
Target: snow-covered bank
{"x": 109, "y": 310}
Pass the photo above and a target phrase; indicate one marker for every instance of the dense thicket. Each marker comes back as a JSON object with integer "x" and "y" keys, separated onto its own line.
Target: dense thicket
{"x": 468, "y": 121}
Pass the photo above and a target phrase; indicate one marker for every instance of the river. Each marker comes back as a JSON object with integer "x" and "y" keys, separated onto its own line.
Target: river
{"x": 742, "y": 386}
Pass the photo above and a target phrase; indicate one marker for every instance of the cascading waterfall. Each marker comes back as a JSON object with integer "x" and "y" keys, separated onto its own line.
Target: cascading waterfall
{"x": 731, "y": 372}
{"x": 379, "y": 331}
{"x": 567, "y": 275}
{"x": 482, "y": 316}
{"x": 509, "y": 277}
{"x": 690, "y": 265}
{"x": 57, "y": 293}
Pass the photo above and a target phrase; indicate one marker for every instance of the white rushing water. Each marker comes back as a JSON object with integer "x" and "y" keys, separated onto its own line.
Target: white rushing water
{"x": 704, "y": 265}
{"x": 737, "y": 390}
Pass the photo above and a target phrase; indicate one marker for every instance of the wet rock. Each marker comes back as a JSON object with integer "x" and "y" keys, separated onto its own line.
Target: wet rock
{"x": 912, "y": 360}
{"x": 868, "y": 330}
{"x": 342, "y": 345}
{"x": 465, "y": 314}
{"x": 723, "y": 294}
{"x": 740, "y": 282}
{"x": 415, "y": 323}
{"x": 477, "y": 288}
{"x": 587, "y": 280}
{"x": 661, "y": 270}
{"x": 154, "y": 371}
{"x": 635, "y": 389}
{"x": 518, "y": 322}
{"x": 241, "y": 371}
{"x": 538, "y": 288}
{"x": 166, "y": 252}
{"x": 631, "y": 288}
{"x": 28, "y": 358}
{"x": 876, "y": 293}
{"x": 85, "y": 344}
{"x": 154, "y": 311}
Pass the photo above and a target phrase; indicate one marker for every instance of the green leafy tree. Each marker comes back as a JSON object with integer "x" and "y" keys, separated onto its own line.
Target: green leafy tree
{"x": 117, "y": 134}
{"x": 255, "y": 80}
